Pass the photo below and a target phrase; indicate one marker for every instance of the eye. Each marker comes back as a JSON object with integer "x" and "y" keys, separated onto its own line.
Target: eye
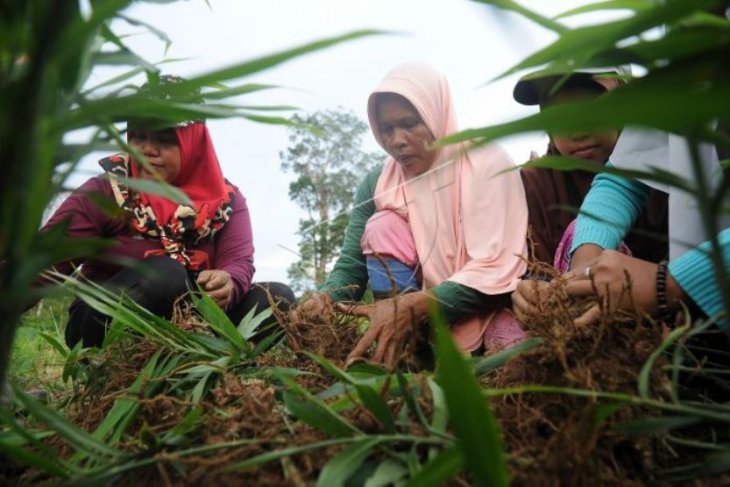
{"x": 137, "y": 137}
{"x": 386, "y": 129}
{"x": 411, "y": 123}
{"x": 166, "y": 137}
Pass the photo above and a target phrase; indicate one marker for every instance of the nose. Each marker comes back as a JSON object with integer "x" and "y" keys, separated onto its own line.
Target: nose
{"x": 149, "y": 147}
{"x": 399, "y": 138}
{"x": 578, "y": 136}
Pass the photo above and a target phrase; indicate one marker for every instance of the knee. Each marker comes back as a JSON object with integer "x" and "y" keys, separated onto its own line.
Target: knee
{"x": 155, "y": 283}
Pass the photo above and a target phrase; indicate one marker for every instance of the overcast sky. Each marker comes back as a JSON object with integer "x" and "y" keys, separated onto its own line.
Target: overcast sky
{"x": 469, "y": 42}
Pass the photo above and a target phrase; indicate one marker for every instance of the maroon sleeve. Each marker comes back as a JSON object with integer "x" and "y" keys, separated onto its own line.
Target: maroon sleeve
{"x": 234, "y": 248}
{"x": 82, "y": 216}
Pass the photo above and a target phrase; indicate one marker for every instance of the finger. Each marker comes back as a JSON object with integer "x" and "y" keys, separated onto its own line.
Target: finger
{"x": 383, "y": 344}
{"x": 568, "y": 276}
{"x": 220, "y": 294}
{"x": 520, "y": 306}
{"x": 391, "y": 355}
{"x": 362, "y": 345}
{"x": 579, "y": 289}
{"x": 359, "y": 310}
{"x": 217, "y": 281}
{"x": 590, "y": 317}
{"x": 203, "y": 277}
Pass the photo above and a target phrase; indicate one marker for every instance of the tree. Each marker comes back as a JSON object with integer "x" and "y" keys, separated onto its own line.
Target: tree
{"x": 325, "y": 153}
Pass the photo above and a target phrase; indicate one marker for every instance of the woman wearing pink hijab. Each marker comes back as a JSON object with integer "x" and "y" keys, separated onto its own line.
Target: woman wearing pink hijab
{"x": 447, "y": 215}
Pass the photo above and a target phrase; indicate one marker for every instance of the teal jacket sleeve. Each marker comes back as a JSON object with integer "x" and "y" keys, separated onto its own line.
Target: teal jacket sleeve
{"x": 695, "y": 273}
{"x": 609, "y": 210}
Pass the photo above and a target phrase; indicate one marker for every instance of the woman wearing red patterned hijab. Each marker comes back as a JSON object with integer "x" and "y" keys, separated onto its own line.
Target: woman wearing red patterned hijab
{"x": 207, "y": 241}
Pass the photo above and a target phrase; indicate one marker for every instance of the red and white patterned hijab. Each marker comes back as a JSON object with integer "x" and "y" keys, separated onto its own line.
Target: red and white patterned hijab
{"x": 180, "y": 228}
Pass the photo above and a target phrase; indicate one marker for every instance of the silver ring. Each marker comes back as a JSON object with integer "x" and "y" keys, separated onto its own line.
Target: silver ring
{"x": 587, "y": 272}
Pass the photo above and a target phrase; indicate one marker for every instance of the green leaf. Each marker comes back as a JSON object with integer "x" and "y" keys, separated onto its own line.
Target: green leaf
{"x": 716, "y": 463}
{"x": 199, "y": 389}
{"x": 440, "y": 415}
{"x": 250, "y": 323}
{"x": 540, "y": 20}
{"x": 159, "y": 188}
{"x": 284, "y": 452}
{"x": 218, "y": 320}
{"x": 634, "y": 5}
{"x": 336, "y": 472}
{"x": 645, "y": 373}
{"x": 314, "y": 412}
{"x": 442, "y": 468}
{"x": 13, "y": 442}
{"x": 181, "y": 433}
{"x": 388, "y": 472}
{"x": 77, "y": 437}
{"x": 370, "y": 397}
{"x": 471, "y": 418}
{"x": 575, "y": 47}
{"x": 655, "y": 425}
{"x": 496, "y": 360}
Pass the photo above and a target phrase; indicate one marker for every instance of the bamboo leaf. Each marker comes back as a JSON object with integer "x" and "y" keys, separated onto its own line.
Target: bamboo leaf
{"x": 645, "y": 373}
{"x": 655, "y": 425}
{"x": 442, "y": 468}
{"x": 336, "y": 472}
{"x": 77, "y": 437}
{"x": 370, "y": 397}
{"x": 716, "y": 463}
{"x": 634, "y": 5}
{"x": 314, "y": 412}
{"x": 540, "y": 20}
{"x": 471, "y": 418}
{"x": 576, "y": 46}
{"x": 13, "y": 441}
{"x": 124, "y": 410}
{"x": 159, "y": 188}
{"x": 218, "y": 320}
{"x": 250, "y": 323}
{"x": 284, "y": 452}
{"x": 496, "y": 360}
{"x": 388, "y": 472}
{"x": 440, "y": 415}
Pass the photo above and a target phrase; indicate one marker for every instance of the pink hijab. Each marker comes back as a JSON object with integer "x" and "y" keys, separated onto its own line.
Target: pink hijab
{"x": 469, "y": 223}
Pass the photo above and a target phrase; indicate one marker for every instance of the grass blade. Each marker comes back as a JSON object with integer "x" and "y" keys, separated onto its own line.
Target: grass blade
{"x": 336, "y": 472}
{"x": 471, "y": 418}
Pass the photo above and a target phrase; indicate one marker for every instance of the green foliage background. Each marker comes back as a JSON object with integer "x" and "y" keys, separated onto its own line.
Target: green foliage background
{"x": 325, "y": 153}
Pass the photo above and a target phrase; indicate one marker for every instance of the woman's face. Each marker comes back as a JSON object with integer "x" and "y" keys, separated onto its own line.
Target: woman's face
{"x": 161, "y": 149}
{"x": 594, "y": 146}
{"x": 404, "y": 134}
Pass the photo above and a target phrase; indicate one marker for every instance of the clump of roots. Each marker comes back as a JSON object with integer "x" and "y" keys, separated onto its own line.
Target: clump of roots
{"x": 558, "y": 439}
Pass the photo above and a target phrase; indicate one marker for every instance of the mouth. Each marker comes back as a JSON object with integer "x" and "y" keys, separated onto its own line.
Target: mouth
{"x": 585, "y": 152}
{"x": 406, "y": 159}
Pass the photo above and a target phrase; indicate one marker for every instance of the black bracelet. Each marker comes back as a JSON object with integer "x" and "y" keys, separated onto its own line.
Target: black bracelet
{"x": 661, "y": 294}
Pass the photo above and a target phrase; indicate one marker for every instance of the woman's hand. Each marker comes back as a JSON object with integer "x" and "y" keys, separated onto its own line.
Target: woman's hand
{"x": 583, "y": 255}
{"x": 608, "y": 275}
{"x": 391, "y": 322}
{"x": 318, "y": 304}
{"x": 218, "y": 284}
{"x": 527, "y": 295}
